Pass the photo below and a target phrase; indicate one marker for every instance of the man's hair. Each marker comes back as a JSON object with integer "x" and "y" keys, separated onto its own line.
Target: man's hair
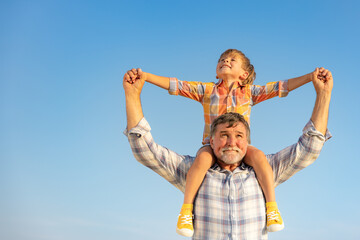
{"x": 246, "y": 65}
{"x": 232, "y": 119}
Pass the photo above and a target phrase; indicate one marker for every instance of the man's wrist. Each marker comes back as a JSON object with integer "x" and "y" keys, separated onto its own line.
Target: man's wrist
{"x": 131, "y": 95}
{"x": 323, "y": 95}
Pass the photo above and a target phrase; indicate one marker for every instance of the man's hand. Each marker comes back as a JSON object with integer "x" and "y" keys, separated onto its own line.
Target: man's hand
{"x": 322, "y": 80}
{"x": 133, "y": 81}
{"x": 134, "y": 74}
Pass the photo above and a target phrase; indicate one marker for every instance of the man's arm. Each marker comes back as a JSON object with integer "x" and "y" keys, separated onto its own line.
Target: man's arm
{"x": 323, "y": 87}
{"x": 300, "y": 155}
{"x": 168, "y": 164}
{"x": 133, "y": 90}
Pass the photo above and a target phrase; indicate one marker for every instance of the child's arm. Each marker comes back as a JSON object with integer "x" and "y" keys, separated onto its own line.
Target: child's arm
{"x": 134, "y": 74}
{"x": 294, "y": 83}
{"x": 282, "y": 88}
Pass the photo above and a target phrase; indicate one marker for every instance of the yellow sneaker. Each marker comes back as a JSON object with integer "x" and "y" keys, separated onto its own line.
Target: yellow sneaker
{"x": 274, "y": 221}
{"x": 185, "y": 221}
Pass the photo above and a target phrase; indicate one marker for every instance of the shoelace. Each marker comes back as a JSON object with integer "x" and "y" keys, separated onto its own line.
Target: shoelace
{"x": 186, "y": 219}
{"x": 273, "y": 216}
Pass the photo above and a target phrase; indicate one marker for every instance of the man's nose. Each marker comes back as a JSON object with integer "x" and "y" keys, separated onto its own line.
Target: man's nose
{"x": 231, "y": 142}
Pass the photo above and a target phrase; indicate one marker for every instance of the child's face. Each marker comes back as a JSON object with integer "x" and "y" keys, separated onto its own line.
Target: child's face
{"x": 229, "y": 67}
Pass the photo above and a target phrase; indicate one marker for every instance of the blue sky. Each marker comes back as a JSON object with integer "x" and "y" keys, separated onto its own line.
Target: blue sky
{"x": 66, "y": 169}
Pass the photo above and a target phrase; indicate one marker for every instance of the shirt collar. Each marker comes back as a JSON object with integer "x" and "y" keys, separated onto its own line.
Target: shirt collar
{"x": 240, "y": 168}
{"x": 221, "y": 83}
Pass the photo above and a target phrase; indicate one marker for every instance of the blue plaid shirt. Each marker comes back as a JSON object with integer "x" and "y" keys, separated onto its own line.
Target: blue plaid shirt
{"x": 229, "y": 205}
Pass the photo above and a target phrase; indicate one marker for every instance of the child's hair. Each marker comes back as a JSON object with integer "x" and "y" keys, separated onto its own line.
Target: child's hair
{"x": 246, "y": 65}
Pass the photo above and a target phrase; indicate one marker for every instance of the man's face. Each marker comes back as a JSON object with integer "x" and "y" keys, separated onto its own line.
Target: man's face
{"x": 229, "y": 144}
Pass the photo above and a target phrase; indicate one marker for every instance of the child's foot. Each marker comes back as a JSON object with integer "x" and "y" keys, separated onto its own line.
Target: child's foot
{"x": 274, "y": 221}
{"x": 185, "y": 221}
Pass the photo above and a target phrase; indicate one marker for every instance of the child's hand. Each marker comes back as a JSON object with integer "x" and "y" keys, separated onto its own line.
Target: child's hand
{"x": 133, "y": 75}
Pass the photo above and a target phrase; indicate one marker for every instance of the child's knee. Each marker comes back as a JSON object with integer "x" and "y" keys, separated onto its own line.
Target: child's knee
{"x": 254, "y": 156}
{"x": 205, "y": 156}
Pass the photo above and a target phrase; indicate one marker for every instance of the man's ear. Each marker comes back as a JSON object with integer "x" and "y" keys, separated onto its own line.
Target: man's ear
{"x": 212, "y": 142}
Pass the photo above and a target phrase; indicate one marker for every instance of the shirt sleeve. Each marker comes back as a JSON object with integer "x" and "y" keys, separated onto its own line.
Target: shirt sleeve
{"x": 168, "y": 164}
{"x": 270, "y": 90}
{"x": 296, "y": 157}
{"x": 192, "y": 90}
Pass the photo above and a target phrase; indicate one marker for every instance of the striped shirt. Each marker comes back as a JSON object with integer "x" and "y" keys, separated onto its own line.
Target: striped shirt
{"x": 229, "y": 205}
{"x": 217, "y": 99}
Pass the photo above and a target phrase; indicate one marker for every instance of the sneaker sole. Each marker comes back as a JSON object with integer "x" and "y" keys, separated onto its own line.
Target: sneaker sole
{"x": 185, "y": 232}
{"x": 275, "y": 227}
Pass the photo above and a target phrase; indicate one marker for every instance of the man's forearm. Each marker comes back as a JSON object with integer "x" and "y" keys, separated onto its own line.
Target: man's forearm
{"x": 321, "y": 112}
{"x": 133, "y": 110}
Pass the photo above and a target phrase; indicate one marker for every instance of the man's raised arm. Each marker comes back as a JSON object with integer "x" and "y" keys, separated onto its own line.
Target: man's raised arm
{"x": 134, "y": 111}
{"x": 296, "y": 157}
{"x": 168, "y": 164}
{"x": 323, "y": 87}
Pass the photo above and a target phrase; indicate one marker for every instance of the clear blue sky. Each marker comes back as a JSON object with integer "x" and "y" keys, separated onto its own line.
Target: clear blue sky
{"x": 66, "y": 169}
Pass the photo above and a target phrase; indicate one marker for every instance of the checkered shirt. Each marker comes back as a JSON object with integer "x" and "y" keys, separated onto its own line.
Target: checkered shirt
{"x": 229, "y": 205}
{"x": 217, "y": 99}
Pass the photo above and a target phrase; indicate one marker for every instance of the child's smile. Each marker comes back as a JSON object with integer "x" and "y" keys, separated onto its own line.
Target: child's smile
{"x": 225, "y": 65}
{"x": 229, "y": 68}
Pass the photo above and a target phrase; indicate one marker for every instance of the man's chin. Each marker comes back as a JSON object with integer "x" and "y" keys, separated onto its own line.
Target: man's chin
{"x": 231, "y": 158}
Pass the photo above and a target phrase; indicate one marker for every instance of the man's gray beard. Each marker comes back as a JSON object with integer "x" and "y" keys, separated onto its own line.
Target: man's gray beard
{"x": 231, "y": 158}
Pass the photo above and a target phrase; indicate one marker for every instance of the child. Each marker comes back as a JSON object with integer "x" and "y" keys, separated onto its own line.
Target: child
{"x": 234, "y": 92}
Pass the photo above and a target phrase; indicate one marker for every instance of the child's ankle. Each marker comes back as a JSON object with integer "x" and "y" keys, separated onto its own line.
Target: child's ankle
{"x": 187, "y": 206}
{"x": 271, "y": 205}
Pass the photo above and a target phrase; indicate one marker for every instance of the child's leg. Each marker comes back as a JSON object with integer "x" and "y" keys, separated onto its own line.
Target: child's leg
{"x": 257, "y": 159}
{"x": 264, "y": 174}
{"x": 195, "y": 176}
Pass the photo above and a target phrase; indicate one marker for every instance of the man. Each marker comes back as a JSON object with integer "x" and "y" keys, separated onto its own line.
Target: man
{"x": 230, "y": 203}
